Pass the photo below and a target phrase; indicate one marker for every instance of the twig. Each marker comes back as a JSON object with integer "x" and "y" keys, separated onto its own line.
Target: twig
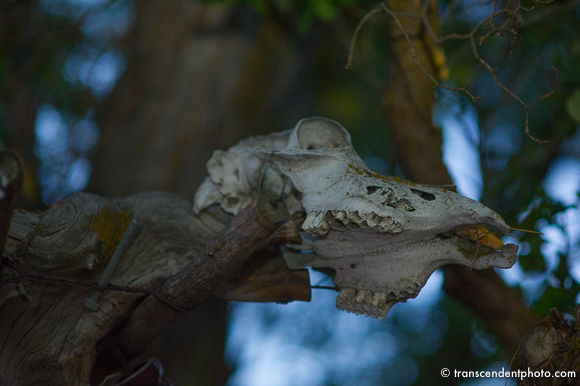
{"x": 395, "y": 17}
{"x": 492, "y": 15}
{"x": 476, "y": 250}
{"x": 512, "y": 21}
{"x": 354, "y": 37}
{"x": 325, "y": 287}
{"x": 527, "y": 108}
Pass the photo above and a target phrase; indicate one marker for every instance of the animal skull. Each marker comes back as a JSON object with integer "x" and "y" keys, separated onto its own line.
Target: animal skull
{"x": 381, "y": 236}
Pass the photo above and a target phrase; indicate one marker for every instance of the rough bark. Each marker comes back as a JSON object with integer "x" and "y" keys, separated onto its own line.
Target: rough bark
{"x": 408, "y": 103}
{"x": 75, "y": 238}
{"x": 222, "y": 257}
{"x": 409, "y": 98}
{"x": 553, "y": 344}
{"x": 10, "y": 183}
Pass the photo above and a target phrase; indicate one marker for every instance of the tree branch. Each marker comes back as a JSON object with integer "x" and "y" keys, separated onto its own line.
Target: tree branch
{"x": 222, "y": 257}
{"x": 513, "y": 20}
{"x": 75, "y": 238}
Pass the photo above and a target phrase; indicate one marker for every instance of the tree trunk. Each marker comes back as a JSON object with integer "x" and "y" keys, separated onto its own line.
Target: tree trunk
{"x": 408, "y": 104}
{"x": 199, "y": 78}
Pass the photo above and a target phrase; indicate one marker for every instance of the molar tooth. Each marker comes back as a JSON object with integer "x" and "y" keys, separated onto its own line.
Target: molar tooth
{"x": 319, "y": 219}
{"x": 372, "y": 222}
{"x": 385, "y": 223}
{"x": 368, "y": 297}
{"x": 360, "y": 295}
{"x": 319, "y": 225}
{"x": 382, "y": 301}
{"x": 348, "y": 294}
{"x": 340, "y": 215}
{"x": 365, "y": 302}
{"x": 375, "y": 300}
{"x": 356, "y": 216}
{"x": 323, "y": 229}
{"x": 309, "y": 220}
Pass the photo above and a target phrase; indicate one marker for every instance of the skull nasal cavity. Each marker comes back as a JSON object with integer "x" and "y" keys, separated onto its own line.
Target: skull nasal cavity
{"x": 321, "y": 134}
{"x": 424, "y": 195}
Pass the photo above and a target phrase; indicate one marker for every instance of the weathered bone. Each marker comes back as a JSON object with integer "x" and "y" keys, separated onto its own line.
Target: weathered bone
{"x": 382, "y": 236}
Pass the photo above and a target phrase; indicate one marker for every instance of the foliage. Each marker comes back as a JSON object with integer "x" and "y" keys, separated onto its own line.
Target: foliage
{"x": 303, "y": 12}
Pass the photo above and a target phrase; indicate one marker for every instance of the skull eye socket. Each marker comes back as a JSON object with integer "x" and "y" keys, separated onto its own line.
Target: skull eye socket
{"x": 372, "y": 189}
{"x": 321, "y": 134}
{"x": 424, "y": 195}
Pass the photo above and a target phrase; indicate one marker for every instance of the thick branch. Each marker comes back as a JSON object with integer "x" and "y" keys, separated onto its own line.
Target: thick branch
{"x": 219, "y": 259}
{"x": 75, "y": 238}
{"x": 487, "y": 295}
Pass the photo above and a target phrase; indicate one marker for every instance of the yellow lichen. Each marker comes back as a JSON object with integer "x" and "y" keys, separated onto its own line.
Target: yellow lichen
{"x": 355, "y": 169}
{"x": 109, "y": 225}
{"x": 40, "y": 230}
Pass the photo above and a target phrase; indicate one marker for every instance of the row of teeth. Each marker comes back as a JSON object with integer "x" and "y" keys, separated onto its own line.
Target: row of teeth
{"x": 320, "y": 223}
{"x": 363, "y": 302}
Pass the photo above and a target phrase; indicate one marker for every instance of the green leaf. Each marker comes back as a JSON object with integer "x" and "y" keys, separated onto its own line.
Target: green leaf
{"x": 559, "y": 298}
{"x": 573, "y": 106}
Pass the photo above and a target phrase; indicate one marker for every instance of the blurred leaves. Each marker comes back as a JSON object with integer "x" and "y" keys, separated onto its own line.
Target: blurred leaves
{"x": 302, "y": 12}
{"x": 573, "y": 106}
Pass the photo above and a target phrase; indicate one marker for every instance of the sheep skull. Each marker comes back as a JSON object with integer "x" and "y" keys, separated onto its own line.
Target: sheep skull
{"x": 381, "y": 236}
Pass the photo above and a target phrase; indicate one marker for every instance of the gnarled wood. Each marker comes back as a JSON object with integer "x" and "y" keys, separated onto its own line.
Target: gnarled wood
{"x": 223, "y": 256}
{"x": 53, "y": 338}
{"x": 11, "y": 176}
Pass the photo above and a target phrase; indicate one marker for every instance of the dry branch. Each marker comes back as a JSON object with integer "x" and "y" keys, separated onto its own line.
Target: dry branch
{"x": 223, "y": 256}
{"x": 512, "y": 21}
{"x": 53, "y": 338}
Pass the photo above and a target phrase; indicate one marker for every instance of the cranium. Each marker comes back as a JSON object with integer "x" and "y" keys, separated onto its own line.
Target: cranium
{"x": 382, "y": 237}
